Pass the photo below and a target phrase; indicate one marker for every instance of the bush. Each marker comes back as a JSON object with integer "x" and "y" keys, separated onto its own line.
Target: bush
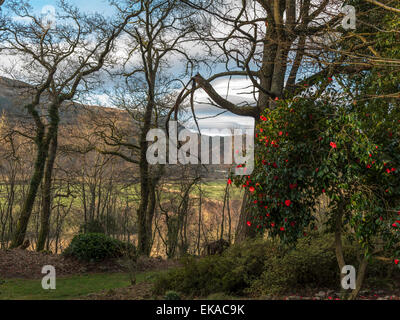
{"x": 172, "y": 295}
{"x": 97, "y": 247}
{"x": 220, "y": 296}
{"x": 261, "y": 267}
{"x": 312, "y": 263}
{"x": 231, "y": 272}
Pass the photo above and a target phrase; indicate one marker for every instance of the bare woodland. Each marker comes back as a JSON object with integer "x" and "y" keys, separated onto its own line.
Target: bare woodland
{"x": 68, "y": 162}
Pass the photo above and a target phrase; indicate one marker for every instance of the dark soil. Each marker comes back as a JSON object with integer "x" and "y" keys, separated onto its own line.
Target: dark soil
{"x": 17, "y": 263}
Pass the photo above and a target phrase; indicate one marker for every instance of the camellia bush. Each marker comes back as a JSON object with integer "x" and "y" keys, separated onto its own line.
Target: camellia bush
{"x": 307, "y": 148}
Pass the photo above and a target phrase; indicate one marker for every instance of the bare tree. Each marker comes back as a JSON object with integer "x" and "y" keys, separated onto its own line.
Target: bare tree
{"x": 153, "y": 39}
{"x": 78, "y": 41}
{"x": 284, "y": 48}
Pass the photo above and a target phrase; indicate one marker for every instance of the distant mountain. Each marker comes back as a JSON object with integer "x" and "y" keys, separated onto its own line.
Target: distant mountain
{"x": 15, "y": 94}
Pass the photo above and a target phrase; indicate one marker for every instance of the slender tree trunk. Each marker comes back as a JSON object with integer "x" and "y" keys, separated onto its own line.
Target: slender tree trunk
{"x": 223, "y": 213}
{"x": 360, "y": 278}
{"x": 47, "y": 185}
{"x": 149, "y": 216}
{"x": 338, "y": 239}
{"x": 199, "y": 222}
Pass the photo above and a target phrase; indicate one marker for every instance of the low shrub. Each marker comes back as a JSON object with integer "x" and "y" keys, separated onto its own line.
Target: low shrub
{"x": 97, "y": 247}
{"x": 263, "y": 267}
{"x": 312, "y": 263}
{"x": 172, "y": 295}
{"x": 231, "y": 272}
{"x": 220, "y": 296}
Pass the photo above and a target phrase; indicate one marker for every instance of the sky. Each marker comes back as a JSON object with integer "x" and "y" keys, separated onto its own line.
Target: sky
{"x": 226, "y": 120}
{"x": 100, "y": 6}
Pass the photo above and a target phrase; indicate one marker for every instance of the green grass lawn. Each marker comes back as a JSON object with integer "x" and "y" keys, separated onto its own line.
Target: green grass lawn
{"x": 67, "y": 287}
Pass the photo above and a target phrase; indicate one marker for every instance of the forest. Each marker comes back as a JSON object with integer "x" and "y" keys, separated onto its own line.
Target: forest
{"x": 211, "y": 149}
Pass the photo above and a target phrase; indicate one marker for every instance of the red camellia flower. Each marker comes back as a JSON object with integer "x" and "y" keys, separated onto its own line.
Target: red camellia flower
{"x": 251, "y": 189}
{"x": 282, "y": 228}
{"x": 249, "y": 223}
{"x": 330, "y": 79}
{"x": 333, "y": 145}
{"x": 272, "y": 224}
{"x": 396, "y": 261}
{"x": 288, "y": 202}
{"x": 368, "y": 166}
{"x": 229, "y": 181}
{"x": 292, "y": 186}
{"x": 275, "y": 165}
{"x": 323, "y": 190}
{"x": 393, "y": 169}
{"x": 280, "y": 133}
{"x": 388, "y": 170}
{"x": 394, "y": 225}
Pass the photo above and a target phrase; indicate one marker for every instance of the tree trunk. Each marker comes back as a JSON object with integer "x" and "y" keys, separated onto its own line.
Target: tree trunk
{"x": 47, "y": 184}
{"x": 144, "y": 236}
{"x": 271, "y": 79}
{"x": 243, "y": 231}
{"x": 23, "y": 220}
{"x": 360, "y": 278}
{"x": 340, "y": 256}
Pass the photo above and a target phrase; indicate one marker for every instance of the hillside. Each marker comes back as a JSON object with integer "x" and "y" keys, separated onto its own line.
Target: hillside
{"x": 79, "y": 120}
